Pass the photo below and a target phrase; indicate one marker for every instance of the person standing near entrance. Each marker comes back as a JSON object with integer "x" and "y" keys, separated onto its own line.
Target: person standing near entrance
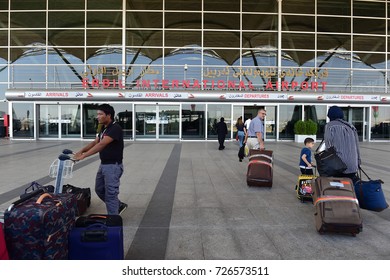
{"x": 344, "y": 138}
{"x": 240, "y": 131}
{"x": 109, "y": 144}
{"x": 246, "y": 124}
{"x": 222, "y": 130}
{"x": 255, "y": 136}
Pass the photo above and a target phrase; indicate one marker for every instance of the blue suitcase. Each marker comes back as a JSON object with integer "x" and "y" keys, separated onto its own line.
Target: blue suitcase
{"x": 97, "y": 237}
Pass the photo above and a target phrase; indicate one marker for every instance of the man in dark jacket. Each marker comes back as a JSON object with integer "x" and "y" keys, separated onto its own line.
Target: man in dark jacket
{"x": 221, "y": 131}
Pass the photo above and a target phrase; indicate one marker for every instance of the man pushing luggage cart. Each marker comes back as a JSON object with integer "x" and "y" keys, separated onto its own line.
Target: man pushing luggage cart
{"x": 109, "y": 144}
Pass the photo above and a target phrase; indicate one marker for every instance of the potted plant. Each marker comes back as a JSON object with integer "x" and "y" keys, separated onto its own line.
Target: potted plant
{"x": 304, "y": 129}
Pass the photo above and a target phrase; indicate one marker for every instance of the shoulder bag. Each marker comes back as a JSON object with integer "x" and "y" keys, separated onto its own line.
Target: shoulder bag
{"x": 329, "y": 163}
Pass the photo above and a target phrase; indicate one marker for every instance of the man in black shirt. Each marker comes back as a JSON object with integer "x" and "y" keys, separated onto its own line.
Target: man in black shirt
{"x": 109, "y": 144}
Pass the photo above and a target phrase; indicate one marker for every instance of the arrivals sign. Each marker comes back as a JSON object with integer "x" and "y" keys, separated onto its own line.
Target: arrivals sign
{"x": 156, "y": 95}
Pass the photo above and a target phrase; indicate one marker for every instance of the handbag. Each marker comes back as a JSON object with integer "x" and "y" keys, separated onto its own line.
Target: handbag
{"x": 369, "y": 193}
{"x": 237, "y": 136}
{"x": 329, "y": 164}
{"x": 83, "y": 196}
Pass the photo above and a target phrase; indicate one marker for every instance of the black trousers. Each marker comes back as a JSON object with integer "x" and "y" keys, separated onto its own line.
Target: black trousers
{"x": 221, "y": 140}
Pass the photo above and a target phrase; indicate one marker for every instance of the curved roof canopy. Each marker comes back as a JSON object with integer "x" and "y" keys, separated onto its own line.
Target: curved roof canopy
{"x": 333, "y": 32}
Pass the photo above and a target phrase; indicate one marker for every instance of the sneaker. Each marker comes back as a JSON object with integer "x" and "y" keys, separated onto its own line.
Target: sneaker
{"x": 122, "y": 208}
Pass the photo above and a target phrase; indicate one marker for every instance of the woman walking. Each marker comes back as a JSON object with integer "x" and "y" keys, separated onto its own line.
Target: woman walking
{"x": 240, "y": 133}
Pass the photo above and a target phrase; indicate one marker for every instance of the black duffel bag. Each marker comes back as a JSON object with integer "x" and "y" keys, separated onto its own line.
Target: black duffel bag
{"x": 329, "y": 164}
{"x": 83, "y": 197}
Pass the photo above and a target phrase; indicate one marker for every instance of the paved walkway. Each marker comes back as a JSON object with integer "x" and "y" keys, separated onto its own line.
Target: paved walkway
{"x": 190, "y": 201}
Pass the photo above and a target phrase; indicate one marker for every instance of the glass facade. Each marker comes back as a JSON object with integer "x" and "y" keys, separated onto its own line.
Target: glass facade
{"x": 314, "y": 47}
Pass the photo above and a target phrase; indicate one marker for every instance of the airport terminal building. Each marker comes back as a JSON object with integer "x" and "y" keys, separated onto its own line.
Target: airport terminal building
{"x": 173, "y": 68}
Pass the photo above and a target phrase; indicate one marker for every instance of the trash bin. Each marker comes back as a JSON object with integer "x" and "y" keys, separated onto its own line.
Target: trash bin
{"x": 2, "y": 131}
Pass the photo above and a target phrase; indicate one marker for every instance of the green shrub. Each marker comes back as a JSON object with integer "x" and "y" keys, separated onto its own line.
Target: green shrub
{"x": 300, "y": 127}
{"x": 311, "y": 127}
{"x": 308, "y": 127}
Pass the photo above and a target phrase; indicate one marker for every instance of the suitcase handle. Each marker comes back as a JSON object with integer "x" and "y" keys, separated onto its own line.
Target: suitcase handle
{"x": 94, "y": 236}
{"x": 95, "y": 233}
{"x": 43, "y": 196}
{"x": 24, "y": 198}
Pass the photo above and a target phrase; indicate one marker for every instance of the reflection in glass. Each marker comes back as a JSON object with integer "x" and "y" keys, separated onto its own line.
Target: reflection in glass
{"x": 193, "y": 117}
{"x": 354, "y": 115}
{"x": 70, "y": 121}
{"x": 124, "y": 117}
{"x": 23, "y": 120}
{"x": 214, "y": 113}
{"x": 380, "y": 123}
{"x": 48, "y": 121}
{"x": 90, "y": 122}
{"x": 316, "y": 113}
{"x": 288, "y": 116}
{"x": 270, "y": 122}
{"x": 145, "y": 121}
{"x": 169, "y": 121}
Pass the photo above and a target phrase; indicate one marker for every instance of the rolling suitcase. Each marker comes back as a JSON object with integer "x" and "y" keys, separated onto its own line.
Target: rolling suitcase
{"x": 260, "y": 168}
{"x": 336, "y": 207}
{"x": 304, "y": 188}
{"x": 37, "y": 226}
{"x": 97, "y": 237}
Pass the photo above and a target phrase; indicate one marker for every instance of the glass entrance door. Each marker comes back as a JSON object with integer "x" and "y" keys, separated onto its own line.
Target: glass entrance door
{"x": 157, "y": 121}
{"x": 356, "y": 116}
{"x": 59, "y": 121}
{"x": 145, "y": 121}
{"x": 169, "y": 121}
{"x": 48, "y": 121}
{"x": 70, "y": 121}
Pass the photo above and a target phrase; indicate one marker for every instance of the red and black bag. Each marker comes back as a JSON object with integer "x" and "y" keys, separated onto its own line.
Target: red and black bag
{"x": 260, "y": 168}
{"x": 37, "y": 226}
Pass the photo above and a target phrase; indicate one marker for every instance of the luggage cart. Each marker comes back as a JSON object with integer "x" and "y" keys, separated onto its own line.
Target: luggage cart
{"x": 62, "y": 168}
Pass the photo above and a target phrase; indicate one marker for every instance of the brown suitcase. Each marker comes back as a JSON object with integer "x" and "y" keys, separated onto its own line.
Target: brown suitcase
{"x": 260, "y": 168}
{"x": 336, "y": 207}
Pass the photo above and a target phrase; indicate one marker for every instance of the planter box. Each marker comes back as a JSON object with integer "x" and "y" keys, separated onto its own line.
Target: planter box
{"x": 299, "y": 138}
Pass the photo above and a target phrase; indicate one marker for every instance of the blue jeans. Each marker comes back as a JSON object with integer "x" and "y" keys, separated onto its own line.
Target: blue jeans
{"x": 107, "y": 186}
{"x": 241, "y": 137}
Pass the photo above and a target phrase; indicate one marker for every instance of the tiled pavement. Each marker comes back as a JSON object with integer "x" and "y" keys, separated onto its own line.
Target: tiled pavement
{"x": 189, "y": 200}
